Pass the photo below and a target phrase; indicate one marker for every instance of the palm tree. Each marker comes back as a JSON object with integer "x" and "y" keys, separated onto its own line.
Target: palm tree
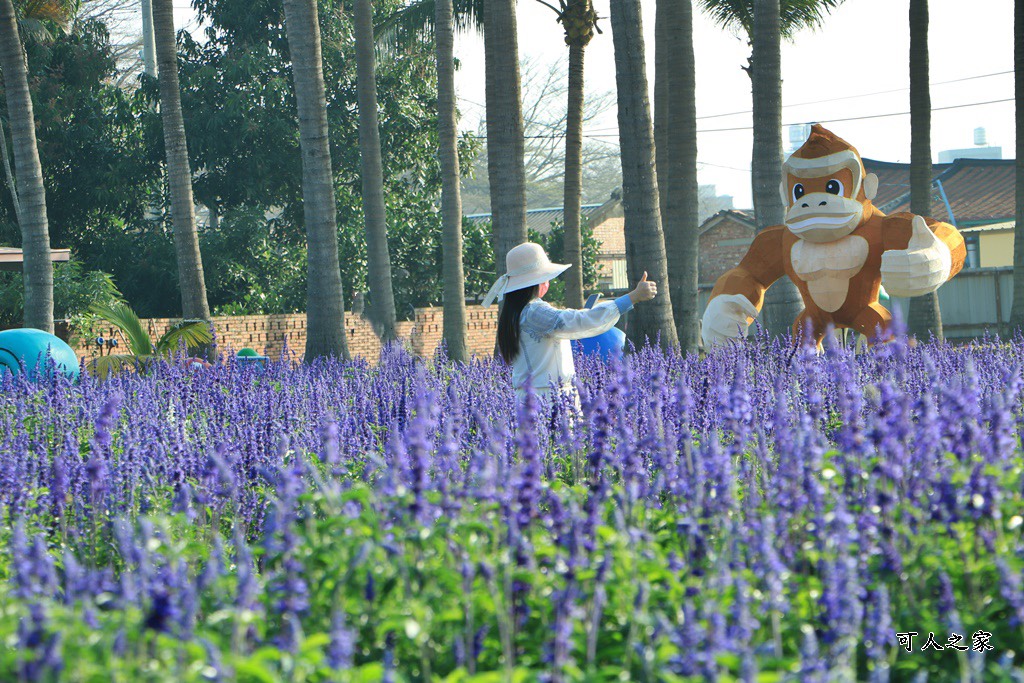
{"x": 766, "y": 23}
{"x": 782, "y": 301}
{"x": 191, "y": 282}
{"x": 505, "y": 142}
{"x": 440, "y": 18}
{"x": 451, "y": 194}
{"x": 140, "y": 348}
{"x": 375, "y": 218}
{"x": 924, "y": 317}
{"x": 645, "y": 242}
{"x": 675, "y": 133}
{"x": 1017, "y": 311}
{"x": 30, "y": 192}
{"x": 325, "y": 312}
{"x": 579, "y": 20}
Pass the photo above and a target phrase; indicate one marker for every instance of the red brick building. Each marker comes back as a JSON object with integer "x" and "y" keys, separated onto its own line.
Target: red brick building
{"x": 724, "y": 239}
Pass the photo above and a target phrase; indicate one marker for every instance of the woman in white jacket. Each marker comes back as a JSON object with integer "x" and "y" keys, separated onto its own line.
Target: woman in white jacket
{"x": 534, "y": 336}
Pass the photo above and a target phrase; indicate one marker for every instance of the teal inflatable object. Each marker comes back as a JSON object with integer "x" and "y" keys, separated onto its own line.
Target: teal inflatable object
{"x": 249, "y": 357}
{"x": 34, "y": 350}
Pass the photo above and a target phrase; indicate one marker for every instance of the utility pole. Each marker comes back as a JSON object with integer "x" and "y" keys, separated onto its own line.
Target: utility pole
{"x": 148, "y": 43}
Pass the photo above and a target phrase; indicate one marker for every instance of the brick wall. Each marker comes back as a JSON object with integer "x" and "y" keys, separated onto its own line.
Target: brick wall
{"x": 268, "y": 334}
{"x": 722, "y": 247}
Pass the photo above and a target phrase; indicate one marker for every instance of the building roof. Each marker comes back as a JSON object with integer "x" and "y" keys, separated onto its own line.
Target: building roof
{"x": 540, "y": 220}
{"x": 745, "y": 217}
{"x": 1004, "y": 226}
{"x": 12, "y": 259}
{"x": 980, "y": 191}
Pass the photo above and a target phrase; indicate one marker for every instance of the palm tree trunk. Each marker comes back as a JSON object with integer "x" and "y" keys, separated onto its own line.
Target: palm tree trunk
{"x": 579, "y": 19}
{"x": 325, "y": 312}
{"x": 35, "y": 230}
{"x": 379, "y": 260}
{"x": 5, "y": 158}
{"x": 191, "y": 282}
{"x": 645, "y": 242}
{"x": 924, "y": 318}
{"x": 451, "y": 198}
{"x": 675, "y": 132}
{"x": 782, "y": 301}
{"x": 507, "y": 176}
{"x": 1017, "y": 311}
{"x": 573, "y": 187}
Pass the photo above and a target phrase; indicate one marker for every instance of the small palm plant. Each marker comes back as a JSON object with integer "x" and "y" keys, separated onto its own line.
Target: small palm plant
{"x": 141, "y": 349}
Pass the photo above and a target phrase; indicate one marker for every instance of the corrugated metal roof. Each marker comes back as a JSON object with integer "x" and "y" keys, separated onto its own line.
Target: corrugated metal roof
{"x": 540, "y": 220}
{"x": 1005, "y": 225}
{"x": 980, "y": 191}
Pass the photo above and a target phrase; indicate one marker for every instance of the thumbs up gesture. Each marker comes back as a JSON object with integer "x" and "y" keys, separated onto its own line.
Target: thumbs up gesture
{"x": 645, "y": 290}
{"x": 920, "y": 268}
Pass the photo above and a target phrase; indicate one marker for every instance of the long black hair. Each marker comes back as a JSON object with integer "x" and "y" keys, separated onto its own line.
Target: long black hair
{"x": 508, "y": 321}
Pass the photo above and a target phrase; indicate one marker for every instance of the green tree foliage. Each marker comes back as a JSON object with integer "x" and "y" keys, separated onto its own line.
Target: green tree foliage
{"x": 75, "y": 289}
{"x": 95, "y": 156}
{"x": 101, "y": 150}
{"x": 239, "y": 109}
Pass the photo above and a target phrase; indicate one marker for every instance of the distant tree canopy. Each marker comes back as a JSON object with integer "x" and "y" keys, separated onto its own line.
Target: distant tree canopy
{"x": 96, "y": 159}
{"x": 240, "y": 114}
{"x": 101, "y": 149}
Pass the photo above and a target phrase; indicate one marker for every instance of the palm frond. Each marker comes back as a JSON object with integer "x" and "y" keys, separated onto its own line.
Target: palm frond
{"x": 193, "y": 334}
{"x": 38, "y": 18}
{"x": 797, "y": 15}
{"x": 104, "y": 367}
{"x": 124, "y": 318}
{"x": 414, "y": 24}
{"x": 733, "y": 15}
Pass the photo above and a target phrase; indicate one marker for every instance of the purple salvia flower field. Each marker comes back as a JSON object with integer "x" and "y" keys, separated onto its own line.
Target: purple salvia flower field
{"x": 759, "y": 514}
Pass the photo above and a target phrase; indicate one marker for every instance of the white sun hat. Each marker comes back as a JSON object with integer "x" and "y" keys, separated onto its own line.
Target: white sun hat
{"x": 525, "y": 266}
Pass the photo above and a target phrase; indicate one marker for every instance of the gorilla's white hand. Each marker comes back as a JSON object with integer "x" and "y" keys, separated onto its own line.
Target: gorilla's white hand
{"x": 727, "y": 318}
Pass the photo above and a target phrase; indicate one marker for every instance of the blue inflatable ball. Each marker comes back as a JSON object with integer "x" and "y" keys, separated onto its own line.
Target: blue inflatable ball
{"x": 35, "y": 350}
{"x": 610, "y": 344}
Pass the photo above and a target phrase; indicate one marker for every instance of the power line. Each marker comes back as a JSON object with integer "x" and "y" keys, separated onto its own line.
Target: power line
{"x": 853, "y": 97}
{"x": 846, "y": 97}
{"x": 848, "y": 118}
{"x": 731, "y": 168}
{"x": 599, "y": 136}
{"x": 871, "y": 116}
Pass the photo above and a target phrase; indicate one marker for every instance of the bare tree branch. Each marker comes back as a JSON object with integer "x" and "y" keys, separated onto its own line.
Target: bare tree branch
{"x": 545, "y": 112}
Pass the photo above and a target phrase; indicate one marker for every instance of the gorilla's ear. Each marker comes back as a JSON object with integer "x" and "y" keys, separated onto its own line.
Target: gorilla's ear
{"x": 870, "y": 186}
{"x": 783, "y": 187}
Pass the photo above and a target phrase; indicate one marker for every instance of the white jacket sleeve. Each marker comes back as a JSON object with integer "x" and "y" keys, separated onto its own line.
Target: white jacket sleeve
{"x": 542, "y": 320}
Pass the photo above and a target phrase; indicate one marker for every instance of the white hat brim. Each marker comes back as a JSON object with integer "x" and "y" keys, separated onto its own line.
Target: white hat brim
{"x": 541, "y": 275}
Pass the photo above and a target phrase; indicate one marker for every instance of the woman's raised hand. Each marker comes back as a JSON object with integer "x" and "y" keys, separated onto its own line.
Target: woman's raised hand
{"x": 645, "y": 290}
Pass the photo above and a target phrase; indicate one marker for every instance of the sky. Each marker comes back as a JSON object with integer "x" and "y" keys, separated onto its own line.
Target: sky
{"x": 862, "y": 49}
{"x": 856, "y": 65}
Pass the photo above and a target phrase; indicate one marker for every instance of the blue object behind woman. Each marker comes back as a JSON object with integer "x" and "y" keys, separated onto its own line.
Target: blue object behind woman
{"x": 610, "y": 344}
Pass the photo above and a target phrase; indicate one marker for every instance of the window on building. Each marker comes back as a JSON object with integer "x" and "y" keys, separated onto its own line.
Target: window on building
{"x": 973, "y": 254}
